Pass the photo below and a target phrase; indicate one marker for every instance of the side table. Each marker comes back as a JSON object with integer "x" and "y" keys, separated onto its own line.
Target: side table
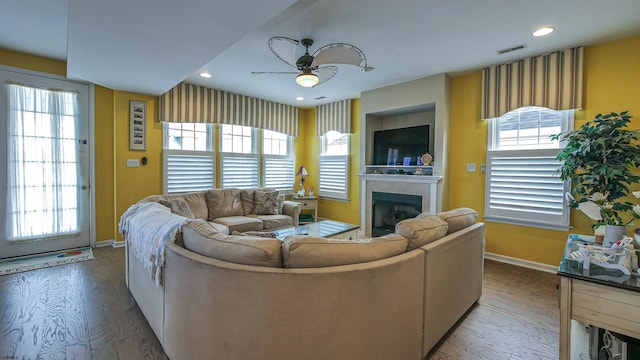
{"x": 598, "y": 296}
{"x": 308, "y": 203}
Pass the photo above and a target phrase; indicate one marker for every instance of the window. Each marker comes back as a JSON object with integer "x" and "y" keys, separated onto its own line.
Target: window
{"x": 522, "y": 185}
{"x": 277, "y": 160}
{"x": 43, "y": 164}
{"x": 334, "y": 166}
{"x": 189, "y": 159}
{"x": 240, "y": 161}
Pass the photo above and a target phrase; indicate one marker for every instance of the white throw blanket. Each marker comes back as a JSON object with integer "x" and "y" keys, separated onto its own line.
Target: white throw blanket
{"x": 147, "y": 227}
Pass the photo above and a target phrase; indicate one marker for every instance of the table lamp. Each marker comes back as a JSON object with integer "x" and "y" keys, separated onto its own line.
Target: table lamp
{"x": 302, "y": 172}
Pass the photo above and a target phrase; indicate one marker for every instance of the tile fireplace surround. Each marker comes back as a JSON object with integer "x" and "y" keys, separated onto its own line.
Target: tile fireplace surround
{"x": 425, "y": 186}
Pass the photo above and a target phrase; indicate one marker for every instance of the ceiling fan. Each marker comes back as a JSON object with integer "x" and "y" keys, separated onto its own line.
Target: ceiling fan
{"x": 313, "y": 69}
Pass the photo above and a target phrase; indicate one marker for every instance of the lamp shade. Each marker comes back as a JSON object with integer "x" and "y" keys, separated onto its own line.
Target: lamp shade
{"x": 302, "y": 171}
{"x": 307, "y": 79}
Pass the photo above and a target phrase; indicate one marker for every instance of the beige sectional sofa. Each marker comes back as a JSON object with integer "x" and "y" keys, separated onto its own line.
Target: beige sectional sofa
{"x": 229, "y": 210}
{"x": 251, "y": 297}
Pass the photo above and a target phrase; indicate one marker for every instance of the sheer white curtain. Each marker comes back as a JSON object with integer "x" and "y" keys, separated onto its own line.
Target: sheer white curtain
{"x": 42, "y": 163}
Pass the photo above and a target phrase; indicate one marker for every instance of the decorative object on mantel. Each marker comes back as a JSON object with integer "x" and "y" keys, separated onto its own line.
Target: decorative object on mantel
{"x": 426, "y": 159}
{"x": 600, "y": 158}
{"x": 302, "y": 172}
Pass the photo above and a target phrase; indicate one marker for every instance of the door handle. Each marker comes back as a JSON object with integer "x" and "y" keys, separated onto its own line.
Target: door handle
{"x": 84, "y": 187}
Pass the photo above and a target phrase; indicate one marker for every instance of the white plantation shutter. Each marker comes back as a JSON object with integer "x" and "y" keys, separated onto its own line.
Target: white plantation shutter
{"x": 277, "y": 172}
{"x": 333, "y": 179}
{"x": 523, "y": 188}
{"x": 187, "y": 171}
{"x": 240, "y": 171}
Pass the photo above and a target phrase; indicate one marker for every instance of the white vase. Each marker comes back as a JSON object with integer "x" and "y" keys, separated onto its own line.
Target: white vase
{"x": 613, "y": 233}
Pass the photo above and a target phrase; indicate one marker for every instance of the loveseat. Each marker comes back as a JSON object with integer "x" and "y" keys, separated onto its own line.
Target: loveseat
{"x": 254, "y": 297}
{"x": 230, "y": 210}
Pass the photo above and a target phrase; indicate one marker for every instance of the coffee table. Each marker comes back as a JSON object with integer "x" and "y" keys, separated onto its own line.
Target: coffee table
{"x": 325, "y": 228}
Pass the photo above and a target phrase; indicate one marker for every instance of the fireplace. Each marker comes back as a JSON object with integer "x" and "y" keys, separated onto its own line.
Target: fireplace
{"x": 388, "y": 209}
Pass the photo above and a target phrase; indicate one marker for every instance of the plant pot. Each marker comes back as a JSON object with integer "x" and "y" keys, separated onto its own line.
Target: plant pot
{"x": 613, "y": 233}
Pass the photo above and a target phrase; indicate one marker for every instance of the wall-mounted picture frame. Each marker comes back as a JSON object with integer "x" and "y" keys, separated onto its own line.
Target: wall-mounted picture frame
{"x": 137, "y": 125}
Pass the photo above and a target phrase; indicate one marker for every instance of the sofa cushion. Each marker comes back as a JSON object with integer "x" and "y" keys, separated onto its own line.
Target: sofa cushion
{"x": 224, "y": 202}
{"x": 274, "y": 221}
{"x": 219, "y": 227}
{"x": 201, "y": 238}
{"x": 248, "y": 201}
{"x": 177, "y": 205}
{"x": 421, "y": 231}
{"x": 459, "y": 219}
{"x": 266, "y": 203}
{"x": 239, "y": 223}
{"x": 196, "y": 202}
{"x": 308, "y": 251}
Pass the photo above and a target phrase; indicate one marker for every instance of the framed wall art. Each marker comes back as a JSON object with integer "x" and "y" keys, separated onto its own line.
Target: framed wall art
{"x": 137, "y": 125}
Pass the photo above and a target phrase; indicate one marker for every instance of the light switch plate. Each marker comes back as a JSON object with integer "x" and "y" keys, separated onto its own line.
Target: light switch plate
{"x": 133, "y": 163}
{"x": 471, "y": 167}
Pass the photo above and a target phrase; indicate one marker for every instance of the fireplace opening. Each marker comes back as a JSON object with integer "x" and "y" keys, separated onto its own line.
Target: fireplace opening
{"x": 388, "y": 209}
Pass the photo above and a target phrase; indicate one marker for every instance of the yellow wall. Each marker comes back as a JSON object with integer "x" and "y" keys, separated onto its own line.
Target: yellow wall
{"x": 32, "y": 62}
{"x": 612, "y": 84}
{"x": 134, "y": 183}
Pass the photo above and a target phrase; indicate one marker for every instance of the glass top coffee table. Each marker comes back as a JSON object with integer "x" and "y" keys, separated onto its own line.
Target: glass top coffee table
{"x": 324, "y": 228}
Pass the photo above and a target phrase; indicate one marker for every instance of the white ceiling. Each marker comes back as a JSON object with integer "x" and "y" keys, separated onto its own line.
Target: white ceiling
{"x": 150, "y": 46}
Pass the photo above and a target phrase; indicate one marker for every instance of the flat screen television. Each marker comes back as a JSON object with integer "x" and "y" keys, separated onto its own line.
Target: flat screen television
{"x": 401, "y": 146}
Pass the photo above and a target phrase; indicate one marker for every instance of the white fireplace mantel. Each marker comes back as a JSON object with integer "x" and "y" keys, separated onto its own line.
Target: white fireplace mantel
{"x": 402, "y": 178}
{"x": 423, "y": 185}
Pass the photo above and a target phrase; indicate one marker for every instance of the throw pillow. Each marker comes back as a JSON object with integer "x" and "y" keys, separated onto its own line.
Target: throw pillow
{"x": 266, "y": 203}
{"x": 280, "y": 204}
{"x": 178, "y": 206}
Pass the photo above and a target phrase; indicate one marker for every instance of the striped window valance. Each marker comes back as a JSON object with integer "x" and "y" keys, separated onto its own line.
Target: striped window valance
{"x": 192, "y": 103}
{"x": 187, "y": 103}
{"x": 553, "y": 81}
{"x": 334, "y": 116}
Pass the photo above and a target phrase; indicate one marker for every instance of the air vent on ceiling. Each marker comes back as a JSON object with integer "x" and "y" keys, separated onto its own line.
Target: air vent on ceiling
{"x": 508, "y": 50}
{"x": 321, "y": 97}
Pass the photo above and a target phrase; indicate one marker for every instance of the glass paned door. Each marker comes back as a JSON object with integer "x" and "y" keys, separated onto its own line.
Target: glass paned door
{"x": 46, "y": 190}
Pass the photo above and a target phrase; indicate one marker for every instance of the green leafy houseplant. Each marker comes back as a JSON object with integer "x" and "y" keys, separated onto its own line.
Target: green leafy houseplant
{"x": 599, "y": 158}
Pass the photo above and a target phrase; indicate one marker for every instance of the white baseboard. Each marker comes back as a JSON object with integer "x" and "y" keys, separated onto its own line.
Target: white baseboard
{"x": 115, "y": 244}
{"x": 522, "y": 263}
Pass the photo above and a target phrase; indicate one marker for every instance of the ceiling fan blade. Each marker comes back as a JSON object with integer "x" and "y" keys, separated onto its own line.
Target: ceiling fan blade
{"x": 325, "y": 73}
{"x": 284, "y": 49}
{"x": 274, "y": 72}
{"x": 339, "y": 53}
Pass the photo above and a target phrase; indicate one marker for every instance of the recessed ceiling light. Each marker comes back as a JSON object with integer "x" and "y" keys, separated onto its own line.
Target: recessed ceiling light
{"x": 299, "y": 98}
{"x": 543, "y": 31}
{"x": 205, "y": 75}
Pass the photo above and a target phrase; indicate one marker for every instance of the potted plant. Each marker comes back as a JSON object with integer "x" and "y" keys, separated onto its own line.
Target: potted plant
{"x": 600, "y": 158}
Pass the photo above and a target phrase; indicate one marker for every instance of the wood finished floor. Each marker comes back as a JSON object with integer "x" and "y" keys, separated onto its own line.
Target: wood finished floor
{"x": 84, "y": 311}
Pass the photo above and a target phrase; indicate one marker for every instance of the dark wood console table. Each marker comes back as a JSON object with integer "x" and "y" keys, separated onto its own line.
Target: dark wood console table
{"x": 597, "y": 296}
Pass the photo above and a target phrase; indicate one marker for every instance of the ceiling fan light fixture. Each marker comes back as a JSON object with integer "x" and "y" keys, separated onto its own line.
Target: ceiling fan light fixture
{"x": 307, "y": 79}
